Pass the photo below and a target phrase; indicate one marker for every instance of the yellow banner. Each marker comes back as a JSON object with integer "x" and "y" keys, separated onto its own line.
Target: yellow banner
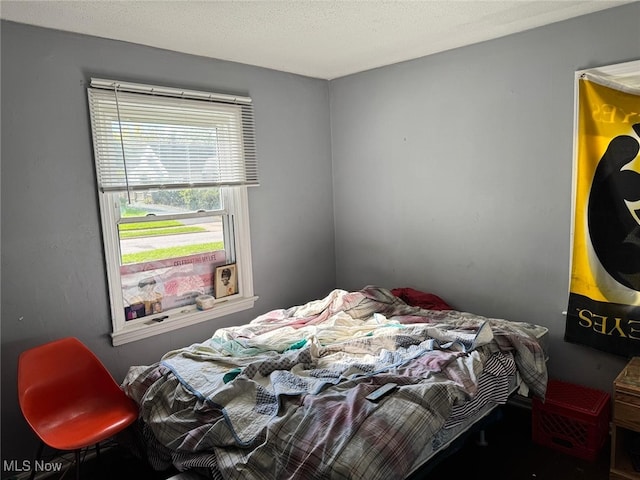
{"x": 604, "y": 297}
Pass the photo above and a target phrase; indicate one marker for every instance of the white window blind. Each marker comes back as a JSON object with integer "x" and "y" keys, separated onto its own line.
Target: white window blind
{"x": 148, "y": 137}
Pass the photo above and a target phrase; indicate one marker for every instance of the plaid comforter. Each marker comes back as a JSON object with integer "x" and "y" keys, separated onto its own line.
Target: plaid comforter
{"x": 283, "y": 397}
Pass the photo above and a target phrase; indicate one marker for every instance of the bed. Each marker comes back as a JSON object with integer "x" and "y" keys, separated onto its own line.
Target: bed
{"x": 289, "y": 395}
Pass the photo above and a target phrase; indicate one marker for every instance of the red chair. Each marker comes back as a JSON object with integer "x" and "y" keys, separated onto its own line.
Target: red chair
{"x": 70, "y": 399}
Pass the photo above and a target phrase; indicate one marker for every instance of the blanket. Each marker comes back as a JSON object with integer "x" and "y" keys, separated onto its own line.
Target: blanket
{"x": 284, "y": 396}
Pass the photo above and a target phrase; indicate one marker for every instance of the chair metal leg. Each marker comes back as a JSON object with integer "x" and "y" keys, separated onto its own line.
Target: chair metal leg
{"x": 36, "y": 458}
{"x": 77, "y": 464}
{"x": 482, "y": 441}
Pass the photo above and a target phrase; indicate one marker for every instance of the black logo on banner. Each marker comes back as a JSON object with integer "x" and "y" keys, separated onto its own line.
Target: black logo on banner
{"x": 614, "y": 228}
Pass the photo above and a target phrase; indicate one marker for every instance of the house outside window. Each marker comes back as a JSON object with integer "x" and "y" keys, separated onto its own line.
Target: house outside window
{"x": 173, "y": 168}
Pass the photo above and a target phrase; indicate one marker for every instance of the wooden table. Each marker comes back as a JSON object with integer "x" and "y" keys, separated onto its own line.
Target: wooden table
{"x": 625, "y": 436}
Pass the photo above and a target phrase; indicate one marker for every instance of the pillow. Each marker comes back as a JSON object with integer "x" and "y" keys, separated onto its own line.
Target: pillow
{"x": 416, "y": 298}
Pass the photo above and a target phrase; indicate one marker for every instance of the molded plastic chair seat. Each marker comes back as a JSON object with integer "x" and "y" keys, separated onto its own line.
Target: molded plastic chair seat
{"x": 71, "y": 428}
{"x": 69, "y": 398}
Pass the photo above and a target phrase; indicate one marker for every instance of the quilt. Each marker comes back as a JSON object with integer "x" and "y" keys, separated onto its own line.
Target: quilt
{"x": 284, "y": 396}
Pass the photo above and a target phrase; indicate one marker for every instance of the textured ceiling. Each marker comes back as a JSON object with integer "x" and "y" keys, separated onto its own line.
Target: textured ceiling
{"x": 320, "y": 38}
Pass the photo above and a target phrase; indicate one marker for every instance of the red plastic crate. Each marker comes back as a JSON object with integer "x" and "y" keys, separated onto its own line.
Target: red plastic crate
{"x": 573, "y": 419}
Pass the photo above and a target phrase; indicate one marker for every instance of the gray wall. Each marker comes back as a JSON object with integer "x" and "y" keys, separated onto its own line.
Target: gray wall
{"x": 452, "y": 174}
{"x": 53, "y": 274}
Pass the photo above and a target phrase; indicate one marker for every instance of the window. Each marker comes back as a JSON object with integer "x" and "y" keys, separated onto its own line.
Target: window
{"x": 173, "y": 167}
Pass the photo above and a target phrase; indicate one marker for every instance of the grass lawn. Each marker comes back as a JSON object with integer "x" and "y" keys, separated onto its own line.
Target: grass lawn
{"x": 152, "y": 229}
{"x": 171, "y": 252}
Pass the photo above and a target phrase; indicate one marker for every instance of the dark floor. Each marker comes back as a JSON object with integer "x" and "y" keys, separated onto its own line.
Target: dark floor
{"x": 509, "y": 455}
{"x": 114, "y": 463}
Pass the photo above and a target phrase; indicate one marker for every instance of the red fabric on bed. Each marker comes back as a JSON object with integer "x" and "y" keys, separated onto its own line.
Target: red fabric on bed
{"x": 416, "y": 298}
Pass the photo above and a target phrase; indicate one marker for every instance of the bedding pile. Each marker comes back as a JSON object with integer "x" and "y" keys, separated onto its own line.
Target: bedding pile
{"x": 284, "y": 395}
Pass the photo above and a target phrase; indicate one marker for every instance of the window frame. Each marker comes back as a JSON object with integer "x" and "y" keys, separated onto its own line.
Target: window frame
{"x": 236, "y": 201}
{"x": 235, "y": 215}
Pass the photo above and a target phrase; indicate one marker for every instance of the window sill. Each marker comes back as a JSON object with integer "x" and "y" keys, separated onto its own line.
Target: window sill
{"x": 139, "y": 331}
